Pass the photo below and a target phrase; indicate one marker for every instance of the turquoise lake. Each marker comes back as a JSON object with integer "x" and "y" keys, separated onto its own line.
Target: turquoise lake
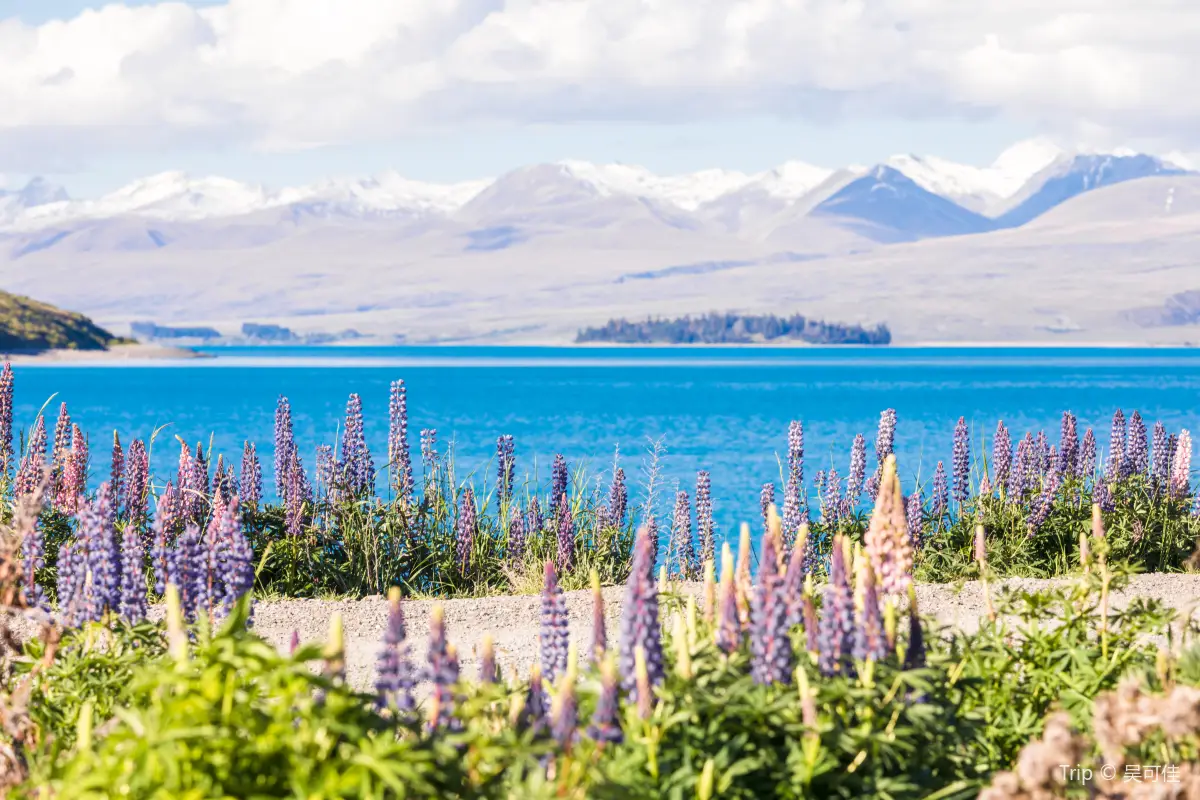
{"x": 721, "y": 409}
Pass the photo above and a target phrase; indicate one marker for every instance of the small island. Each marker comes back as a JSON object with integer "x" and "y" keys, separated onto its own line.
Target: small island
{"x": 715, "y": 328}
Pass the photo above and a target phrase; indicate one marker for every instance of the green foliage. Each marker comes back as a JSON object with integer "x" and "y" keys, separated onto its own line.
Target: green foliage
{"x": 28, "y": 325}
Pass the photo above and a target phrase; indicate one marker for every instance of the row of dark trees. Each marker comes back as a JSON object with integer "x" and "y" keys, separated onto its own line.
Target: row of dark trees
{"x": 714, "y": 328}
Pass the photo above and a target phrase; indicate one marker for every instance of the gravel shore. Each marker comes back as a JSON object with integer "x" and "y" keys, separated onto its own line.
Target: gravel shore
{"x": 513, "y": 620}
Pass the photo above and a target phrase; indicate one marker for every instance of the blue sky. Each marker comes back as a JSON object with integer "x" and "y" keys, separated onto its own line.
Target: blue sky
{"x": 327, "y": 88}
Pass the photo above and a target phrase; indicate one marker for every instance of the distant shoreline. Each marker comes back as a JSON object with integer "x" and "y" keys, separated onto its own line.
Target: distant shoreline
{"x": 116, "y": 353}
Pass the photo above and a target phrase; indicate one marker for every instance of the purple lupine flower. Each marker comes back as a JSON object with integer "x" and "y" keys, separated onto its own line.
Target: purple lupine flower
{"x": 793, "y": 585}
{"x": 200, "y": 480}
{"x": 506, "y": 468}
{"x": 1179, "y": 482}
{"x": 681, "y": 538}
{"x": 555, "y": 634}
{"x": 132, "y": 607}
{"x": 1001, "y": 455}
{"x": 29, "y": 473}
{"x": 62, "y": 445}
{"x": 729, "y": 628}
{"x": 869, "y": 641}
{"x": 770, "y": 644}
{"x": 533, "y": 713}
{"x": 1087, "y": 455}
{"x": 6, "y": 419}
{"x": 250, "y": 483}
{"x": 330, "y": 476}
{"x": 914, "y": 654}
{"x": 858, "y": 473}
{"x": 605, "y": 726}
{"x": 651, "y": 526}
{"x": 441, "y": 669}
{"x": 1196, "y": 506}
{"x": 1161, "y": 464}
{"x": 618, "y": 499}
{"x": 1115, "y": 469}
{"x": 1019, "y": 477}
{"x": 72, "y": 481}
{"x": 835, "y": 631}
{"x": 294, "y": 497}
{"x": 356, "y": 464}
{"x": 793, "y": 514}
{"x": 394, "y": 672}
{"x": 559, "y": 483}
{"x": 117, "y": 474}
{"x": 1137, "y": 456}
{"x": 831, "y": 500}
{"x": 236, "y": 557}
{"x": 220, "y": 485}
{"x": 285, "y": 446}
{"x": 534, "y": 522}
{"x": 516, "y": 539}
{"x": 101, "y": 590}
{"x": 704, "y": 517}
{"x": 464, "y": 531}
{"x": 162, "y": 538}
{"x": 885, "y": 444}
{"x": 565, "y": 715}
{"x": 914, "y": 513}
{"x": 1103, "y": 496}
{"x": 599, "y": 627}
{"x": 941, "y": 500}
{"x": 429, "y": 452}
{"x": 1042, "y": 505}
{"x": 1068, "y": 447}
{"x": 70, "y": 582}
{"x": 33, "y": 558}
{"x": 1172, "y": 445}
{"x": 564, "y": 529}
{"x": 399, "y": 459}
{"x": 639, "y": 618}
{"x": 766, "y": 499}
{"x": 961, "y": 461}
{"x": 1041, "y": 455}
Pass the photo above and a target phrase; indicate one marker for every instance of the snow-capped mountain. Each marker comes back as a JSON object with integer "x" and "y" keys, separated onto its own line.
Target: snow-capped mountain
{"x": 907, "y": 197}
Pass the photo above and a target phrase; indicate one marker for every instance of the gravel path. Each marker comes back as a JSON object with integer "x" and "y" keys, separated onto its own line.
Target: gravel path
{"x": 513, "y": 620}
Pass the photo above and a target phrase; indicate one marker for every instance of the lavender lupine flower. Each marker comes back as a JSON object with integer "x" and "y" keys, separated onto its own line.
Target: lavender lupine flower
{"x": 1042, "y": 451}
{"x": 162, "y": 538}
{"x": 605, "y": 727}
{"x": 394, "y": 673}
{"x": 961, "y": 460}
{"x": 29, "y": 474}
{"x": 72, "y": 577}
{"x": 1001, "y": 455}
{"x": 869, "y": 641}
{"x": 555, "y": 634}
{"x": 941, "y": 499}
{"x": 294, "y": 498}
{"x": 250, "y": 482}
{"x": 73, "y": 479}
{"x": 1068, "y": 446}
{"x": 914, "y": 511}
{"x": 1181, "y": 468}
{"x": 62, "y": 440}
{"x": 770, "y": 644}
{"x": 729, "y": 630}
{"x": 356, "y": 464}
{"x": 399, "y": 459}
{"x": 831, "y": 500}
{"x": 793, "y": 514}
{"x": 835, "y": 631}
{"x": 1172, "y": 445}
{"x": 651, "y": 526}
{"x": 1137, "y": 456}
{"x": 559, "y": 483}
{"x": 618, "y": 499}
{"x": 564, "y": 713}
{"x": 6, "y": 420}
{"x": 429, "y": 452}
{"x": 1102, "y": 496}
{"x": 766, "y": 499}
{"x": 201, "y": 482}
{"x": 793, "y": 582}
{"x": 441, "y": 669}
{"x": 858, "y": 473}
{"x": 534, "y": 521}
{"x": 285, "y": 445}
{"x": 639, "y": 618}
{"x": 506, "y": 468}
{"x": 1042, "y": 504}
{"x": 704, "y": 517}
{"x": 220, "y": 485}
{"x": 1115, "y": 469}
{"x": 236, "y": 557}
{"x": 533, "y": 712}
{"x": 187, "y": 569}
{"x": 914, "y": 654}
{"x": 1161, "y": 464}
{"x": 516, "y": 539}
{"x": 132, "y": 605}
{"x": 117, "y": 474}
{"x": 329, "y": 476}
{"x": 465, "y": 530}
{"x": 681, "y": 535}
{"x": 885, "y": 442}
{"x": 565, "y": 534}
{"x": 1087, "y": 455}
{"x": 101, "y": 592}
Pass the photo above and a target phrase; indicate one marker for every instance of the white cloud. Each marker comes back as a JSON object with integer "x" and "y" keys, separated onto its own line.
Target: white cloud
{"x": 296, "y": 73}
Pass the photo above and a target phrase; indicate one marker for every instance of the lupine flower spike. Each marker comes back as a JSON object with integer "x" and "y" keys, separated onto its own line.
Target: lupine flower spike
{"x": 639, "y": 619}
{"x": 728, "y": 631}
{"x": 555, "y": 633}
{"x": 599, "y": 630}
{"x": 488, "y": 673}
{"x": 605, "y": 727}
{"x": 771, "y": 646}
{"x": 394, "y": 670}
